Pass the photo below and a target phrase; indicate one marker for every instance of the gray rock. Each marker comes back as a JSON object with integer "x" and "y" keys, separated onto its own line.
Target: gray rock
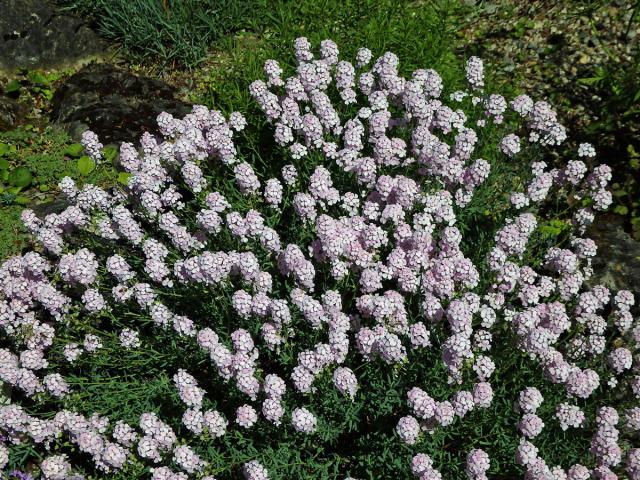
{"x": 11, "y": 113}
{"x": 35, "y": 34}
{"x": 617, "y": 264}
{"x": 57, "y": 205}
{"x": 115, "y": 104}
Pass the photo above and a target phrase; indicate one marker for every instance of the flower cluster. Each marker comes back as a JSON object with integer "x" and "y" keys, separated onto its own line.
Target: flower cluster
{"x": 347, "y": 268}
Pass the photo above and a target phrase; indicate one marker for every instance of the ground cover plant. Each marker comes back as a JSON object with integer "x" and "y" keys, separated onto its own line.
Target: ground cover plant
{"x": 387, "y": 275}
{"x": 33, "y": 159}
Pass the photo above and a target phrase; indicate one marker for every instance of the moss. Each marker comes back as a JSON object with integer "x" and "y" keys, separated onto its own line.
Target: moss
{"x": 13, "y": 236}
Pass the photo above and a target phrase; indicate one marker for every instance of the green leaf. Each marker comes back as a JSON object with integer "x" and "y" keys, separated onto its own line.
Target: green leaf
{"x": 4, "y": 164}
{"x": 20, "y": 200}
{"x": 86, "y": 165}
{"x": 637, "y": 96}
{"x": 4, "y": 149}
{"x": 44, "y": 188}
{"x": 591, "y": 80}
{"x": 47, "y": 93}
{"x": 20, "y": 177}
{"x": 123, "y": 178}
{"x": 12, "y": 86}
{"x": 4, "y": 175}
{"x": 38, "y": 78}
{"x": 621, "y": 210}
{"x": 110, "y": 153}
{"x": 74, "y": 150}
{"x": 553, "y": 228}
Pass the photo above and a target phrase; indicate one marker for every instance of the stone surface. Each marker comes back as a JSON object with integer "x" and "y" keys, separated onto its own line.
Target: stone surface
{"x": 11, "y": 113}
{"x": 57, "y": 205}
{"x": 617, "y": 264}
{"x": 115, "y": 104}
{"x": 36, "y": 34}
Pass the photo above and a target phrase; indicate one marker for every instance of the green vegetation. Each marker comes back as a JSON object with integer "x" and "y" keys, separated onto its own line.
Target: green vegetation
{"x": 32, "y": 162}
{"x": 422, "y": 35}
{"x": 619, "y": 89}
{"x": 172, "y": 32}
{"x": 218, "y": 48}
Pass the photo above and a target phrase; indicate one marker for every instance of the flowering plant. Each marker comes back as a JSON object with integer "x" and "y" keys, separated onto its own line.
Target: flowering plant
{"x": 361, "y": 299}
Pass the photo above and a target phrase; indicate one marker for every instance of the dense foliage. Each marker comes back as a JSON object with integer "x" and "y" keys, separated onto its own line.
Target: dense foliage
{"x": 369, "y": 282}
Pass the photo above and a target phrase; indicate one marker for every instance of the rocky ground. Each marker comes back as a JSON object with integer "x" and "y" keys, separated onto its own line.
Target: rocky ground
{"x": 557, "y": 50}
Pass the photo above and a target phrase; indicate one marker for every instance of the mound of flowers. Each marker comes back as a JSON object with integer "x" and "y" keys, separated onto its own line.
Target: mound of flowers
{"x": 397, "y": 282}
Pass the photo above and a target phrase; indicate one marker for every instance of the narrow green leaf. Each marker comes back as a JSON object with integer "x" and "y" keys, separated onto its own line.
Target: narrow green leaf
{"x": 589, "y": 80}
{"x": 12, "y": 87}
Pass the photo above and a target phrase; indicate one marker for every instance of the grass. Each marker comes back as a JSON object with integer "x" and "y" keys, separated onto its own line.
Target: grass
{"x": 171, "y": 32}
{"x": 13, "y": 235}
{"x": 420, "y": 34}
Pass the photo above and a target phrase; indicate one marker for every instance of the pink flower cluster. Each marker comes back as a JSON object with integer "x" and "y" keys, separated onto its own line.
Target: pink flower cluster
{"x": 411, "y": 161}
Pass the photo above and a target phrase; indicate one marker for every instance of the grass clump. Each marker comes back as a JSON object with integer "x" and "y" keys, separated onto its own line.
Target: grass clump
{"x": 169, "y": 31}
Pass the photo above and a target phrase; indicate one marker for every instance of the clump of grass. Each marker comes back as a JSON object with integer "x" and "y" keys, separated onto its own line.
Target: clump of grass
{"x": 167, "y": 31}
{"x": 422, "y": 35}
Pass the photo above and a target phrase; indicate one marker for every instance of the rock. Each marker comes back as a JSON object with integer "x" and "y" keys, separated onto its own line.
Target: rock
{"x": 57, "y": 205}
{"x": 35, "y": 34}
{"x": 617, "y": 264}
{"x": 115, "y": 104}
{"x": 11, "y": 113}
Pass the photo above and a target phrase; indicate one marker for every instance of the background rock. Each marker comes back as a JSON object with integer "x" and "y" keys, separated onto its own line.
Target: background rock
{"x": 34, "y": 34}
{"x": 115, "y": 104}
{"x": 11, "y": 112}
{"x": 617, "y": 264}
